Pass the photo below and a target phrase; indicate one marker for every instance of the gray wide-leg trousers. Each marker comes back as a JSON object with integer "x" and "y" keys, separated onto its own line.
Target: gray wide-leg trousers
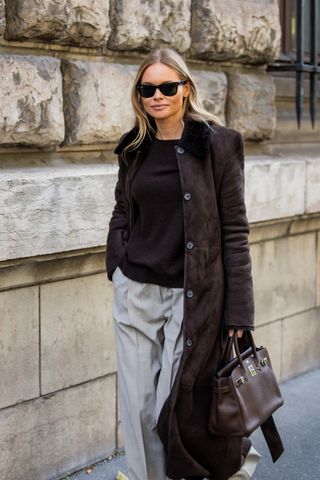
{"x": 148, "y": 330}
{"x": 148, "y": 321}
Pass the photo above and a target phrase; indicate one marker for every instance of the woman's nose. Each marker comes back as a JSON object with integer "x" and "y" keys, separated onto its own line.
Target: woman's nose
{"x": 157, "y": 93}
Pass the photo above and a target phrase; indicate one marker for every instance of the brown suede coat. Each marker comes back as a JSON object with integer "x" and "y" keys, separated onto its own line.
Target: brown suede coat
{"x": 217, "y": 284}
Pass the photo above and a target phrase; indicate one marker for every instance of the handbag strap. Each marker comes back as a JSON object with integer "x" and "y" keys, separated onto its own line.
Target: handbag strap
{"x": 272, "y": 437}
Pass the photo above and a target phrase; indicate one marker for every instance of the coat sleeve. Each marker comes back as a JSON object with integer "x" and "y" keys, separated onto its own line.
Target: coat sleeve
{"x": 239, "y": 299}
{"x": 118, "y": 230}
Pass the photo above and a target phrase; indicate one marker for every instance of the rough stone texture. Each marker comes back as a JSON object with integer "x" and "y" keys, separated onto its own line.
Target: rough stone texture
{"x": 2, "y": 18}
{"x": 284, "y": 275}
{"x": 75, "y": 22}
{"x": 251, "y": 105}
{"x": 97, "y": 102}
{"x": 69, "y": 206}
{"x": 312, "y": 186}
{"x": 19, "y": 346}
{"x": 49, "y": 436}
{"x": 31, "y": 101}
{"x": 274, "y": 188}
{"x": 212, "y": 87}
{"x": 145, "y": 25}
{"x": 234, "y": 30}
{"x": 77, "y": 341}
{"x": 270, "y": 337}
{"x": 300, "y": 351}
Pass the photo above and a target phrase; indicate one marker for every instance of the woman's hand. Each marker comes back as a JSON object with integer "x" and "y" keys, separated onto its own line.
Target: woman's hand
{"x": 239, "y": 332}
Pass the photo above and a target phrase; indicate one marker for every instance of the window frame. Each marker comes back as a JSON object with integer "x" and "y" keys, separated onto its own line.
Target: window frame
{"x": 285, "y": 21}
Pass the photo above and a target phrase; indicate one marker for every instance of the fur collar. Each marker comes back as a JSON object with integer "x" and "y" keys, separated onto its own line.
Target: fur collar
{"x": 195, "y": 139}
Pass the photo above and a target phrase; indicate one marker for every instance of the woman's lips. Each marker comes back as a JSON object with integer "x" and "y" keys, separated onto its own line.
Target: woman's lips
{"x": 159, "y": 107}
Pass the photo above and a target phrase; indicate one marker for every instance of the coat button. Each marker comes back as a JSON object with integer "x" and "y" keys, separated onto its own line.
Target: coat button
{"x": 189, "y": 245}
{"x": 189, "y": 293}
{"x": 187, "y": 196}
{"x": 189, "y": 342}
{"x": 180, "y": 150}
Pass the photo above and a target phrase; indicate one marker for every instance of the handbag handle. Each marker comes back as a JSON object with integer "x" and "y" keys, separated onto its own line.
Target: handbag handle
{"x": 227, "y": 357}
{"x": 253, "y": 348}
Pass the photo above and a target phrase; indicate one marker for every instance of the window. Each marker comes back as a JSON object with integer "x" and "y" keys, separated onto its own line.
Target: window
{"x": 288, "y": 18}
{"x": 300, "y": 22}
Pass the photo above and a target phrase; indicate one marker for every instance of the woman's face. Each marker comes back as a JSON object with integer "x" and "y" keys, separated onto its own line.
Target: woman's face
{"x": 159, "y": 106}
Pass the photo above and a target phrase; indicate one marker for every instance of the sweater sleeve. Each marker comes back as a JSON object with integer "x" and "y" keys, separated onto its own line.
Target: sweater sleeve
{"x": 239, "y": 299}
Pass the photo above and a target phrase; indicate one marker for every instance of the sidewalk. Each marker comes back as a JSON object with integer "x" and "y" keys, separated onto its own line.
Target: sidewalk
{"x": 298, "y": 422}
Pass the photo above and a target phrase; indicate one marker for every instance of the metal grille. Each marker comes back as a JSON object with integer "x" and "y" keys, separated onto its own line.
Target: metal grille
{"x": 300, "y": 65}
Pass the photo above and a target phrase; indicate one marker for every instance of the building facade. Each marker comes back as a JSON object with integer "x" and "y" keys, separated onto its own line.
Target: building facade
{"x": 65, "y": 74}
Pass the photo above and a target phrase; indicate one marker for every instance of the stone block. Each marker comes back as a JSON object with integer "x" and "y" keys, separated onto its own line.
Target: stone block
{"x": 300, "y": 351}
{"x": 251, "y": 105}
{"x": 77, "y": 337}
{"x": 141, "y": 25}
{"x": 240, "y": 31}
{"x": 71, "y": 22}
{"x": 97, "y": 103}
{"x": 270, "y": 336}
{"x": 2, "y": 18}
{"x": 212, "y": 87}
{"x": 275, "y": 188}
{"x": 31, "y": 101}
{"x": 313, "y": 186}
{"x": 49, "y": 436}
{"x": 70, "y": 207}
{"x": 284, "y": 275}
{"x": 19, "y": 346}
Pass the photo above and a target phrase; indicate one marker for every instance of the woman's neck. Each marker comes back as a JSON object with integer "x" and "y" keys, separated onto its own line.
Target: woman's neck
{"x": 168, "y": 130}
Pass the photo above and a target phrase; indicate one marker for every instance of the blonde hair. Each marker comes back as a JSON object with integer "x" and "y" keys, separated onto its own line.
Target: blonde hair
{"x": 192, "y": 106}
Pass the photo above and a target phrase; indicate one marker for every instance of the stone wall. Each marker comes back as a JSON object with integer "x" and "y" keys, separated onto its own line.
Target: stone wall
{"x": 87, "y": 38}
{"x": 66, "y": 69}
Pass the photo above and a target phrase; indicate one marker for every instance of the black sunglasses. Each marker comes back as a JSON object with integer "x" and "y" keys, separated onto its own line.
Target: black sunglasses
{"x": 168, "y": 89}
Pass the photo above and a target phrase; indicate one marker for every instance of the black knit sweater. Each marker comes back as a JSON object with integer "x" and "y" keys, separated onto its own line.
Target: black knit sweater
{"x": 155, "y": 250}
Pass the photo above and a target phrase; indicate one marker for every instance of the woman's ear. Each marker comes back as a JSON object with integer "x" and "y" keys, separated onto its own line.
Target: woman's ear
{"x": 186, "y": 90}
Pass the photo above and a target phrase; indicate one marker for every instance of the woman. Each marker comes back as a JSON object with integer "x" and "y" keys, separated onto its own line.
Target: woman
{"x": 178, "y": 257}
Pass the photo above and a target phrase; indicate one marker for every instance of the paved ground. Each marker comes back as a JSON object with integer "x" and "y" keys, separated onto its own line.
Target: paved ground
{"x": 298, "y": 422}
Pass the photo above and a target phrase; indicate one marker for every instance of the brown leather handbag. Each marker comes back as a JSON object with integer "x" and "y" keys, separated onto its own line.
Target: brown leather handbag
{"x": 246, "y": 394}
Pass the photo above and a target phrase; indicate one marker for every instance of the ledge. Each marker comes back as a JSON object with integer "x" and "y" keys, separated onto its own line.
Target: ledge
{"x": 48, "y": 210}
